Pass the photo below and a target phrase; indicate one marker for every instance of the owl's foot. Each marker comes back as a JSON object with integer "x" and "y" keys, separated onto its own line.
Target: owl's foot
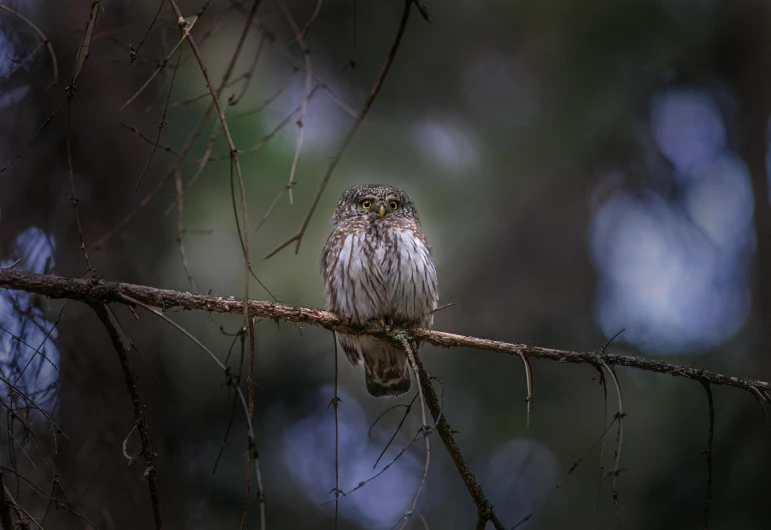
{"x": 386, "y": 323}
{"x": 380, "y": 324}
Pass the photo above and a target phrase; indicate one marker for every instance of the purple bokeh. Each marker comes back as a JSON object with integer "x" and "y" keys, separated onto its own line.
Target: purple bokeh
{"x": 673, "y": 272}
{"x": 31, "y": 364}
{"x": 309, "y": 454}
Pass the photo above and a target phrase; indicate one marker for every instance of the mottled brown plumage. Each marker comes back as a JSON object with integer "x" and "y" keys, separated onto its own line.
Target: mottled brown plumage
{"x": 378, "y": 267}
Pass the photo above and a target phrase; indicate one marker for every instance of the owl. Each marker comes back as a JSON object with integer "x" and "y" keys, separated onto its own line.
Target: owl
{"x": 378, "y": 268}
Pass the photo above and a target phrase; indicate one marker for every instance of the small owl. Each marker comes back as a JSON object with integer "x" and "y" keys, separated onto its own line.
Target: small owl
{"x": 378, "y": 268}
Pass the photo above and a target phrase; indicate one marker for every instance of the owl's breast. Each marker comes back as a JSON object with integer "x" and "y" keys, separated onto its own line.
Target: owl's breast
{"x": 410, "y": 275}
{"x": 354, "y": 276}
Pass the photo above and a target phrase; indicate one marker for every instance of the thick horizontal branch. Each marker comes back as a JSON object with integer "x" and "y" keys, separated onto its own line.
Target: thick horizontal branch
{"x": 100, "y": 291}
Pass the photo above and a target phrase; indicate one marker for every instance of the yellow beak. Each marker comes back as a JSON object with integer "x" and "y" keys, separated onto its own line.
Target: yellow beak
{"x": 381, "y": 211}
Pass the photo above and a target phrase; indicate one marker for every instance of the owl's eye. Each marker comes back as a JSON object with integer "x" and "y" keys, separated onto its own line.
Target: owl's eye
{"x": 366, "y": 205}
{"x": 394, "y": 205}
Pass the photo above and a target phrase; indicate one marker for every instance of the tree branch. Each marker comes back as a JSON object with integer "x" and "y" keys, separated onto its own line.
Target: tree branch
{"x": 139, "y": 408}
{"x": 96, "y": 293}
{"x": 485, "y": 511}
{"x": 99, "y": 291}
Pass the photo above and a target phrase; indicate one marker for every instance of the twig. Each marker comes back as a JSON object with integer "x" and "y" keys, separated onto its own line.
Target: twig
{"x": 619, "y": 440}
{"x": 162, "y": 123}
{"x": 96, "y": 290}
{"x": 297, "y": 237}
{"x": 335, "y": 403}
{"x": 247, "y": 76}
{"x": 710, "y": 437}
{"x": 270, "y": 99}
{"x": 314, "y": 16}
{"x": 407, "y": 409}
{"x": 424, "y": 428}
{"x": 23, "y": 61}
{"x": 128, "y": 299}
{"x": 139, "y": 410}
{"x": 135, "y": 50}
{"x": 85, "y": 44}
{"x": 21, "y": 514}
{"x": 181, "y": 229}
{"x": 484, "y": 507}
{"x": 35, "y": 137}
{"x": 250, "y": 412}
{"x": 308, "y": 76}
{"x": 298, "y": 63}
{"x": 5, "y": 508}
{"x": 602, "y": 447}
{"x": 42, "y": 35}
{"x": 161, "y": 66}
{"x": 363, "y": 483}
{"x": 529, "y": 384}
{"x": 570, "y": 471}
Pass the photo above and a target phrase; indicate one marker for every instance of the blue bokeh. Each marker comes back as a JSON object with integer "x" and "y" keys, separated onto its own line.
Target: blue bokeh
{"x": 32, "y": 364}
{"x": 673, "y": 271}
{"x": 309, "y": 454}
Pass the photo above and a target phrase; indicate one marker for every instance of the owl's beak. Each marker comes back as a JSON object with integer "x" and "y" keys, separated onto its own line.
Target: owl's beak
{"x": 382, "y": 210}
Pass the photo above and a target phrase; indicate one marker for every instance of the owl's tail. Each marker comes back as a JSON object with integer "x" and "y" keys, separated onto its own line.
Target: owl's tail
{"x": 386, "y": 370}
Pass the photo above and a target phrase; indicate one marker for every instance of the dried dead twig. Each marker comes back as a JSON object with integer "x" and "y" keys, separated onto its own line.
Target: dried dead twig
{"x": 5, "y": 508}
{"x": 161, "y": 66}
{"x": 619, "y": 440}
{"x": 484, "y": 507}
{"x": 162, "y": 123}
{"x": 54, "y": 63}
{"x": 573, "y": 467}
{"x": 297, "y": 237}
{"x": 425, "y": 429}
{"x": 84, "y": 51}
{"x": 710, "y": 437}
{"x": 139, "y": 410}
{"x": 304, "y": 105}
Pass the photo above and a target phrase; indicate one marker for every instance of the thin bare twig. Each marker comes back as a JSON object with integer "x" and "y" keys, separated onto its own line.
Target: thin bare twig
{"x": 602, "y": 447}
{"x": 297, "y": 237}
{"x": 130, "y": 300}
{"x": 22, "y": 62}
{"x": 42, "y": 35}
{"x": 161, "y": 66}
{"x": 569, "y": 472}
{"x": 304, "y": 105}
{"x": 162, "y": 123}
{"x": 710, "y": 437}
{"x": 314, "y": 16}
{"x": 85, "y": 44}
{"x": 529, "y": 385}
{"x": 619, "y": 440}
{"x": 336, "y": 403}
{"x": 139, "y": 410}
{"x": 484, "y": 507}
{"x": 37, "y": 134}
{"x": 5, "y": 508}
{"x": 135, "y": 50}
{"x": 181, "y": 229}
{"x": 298, "y": 63}
{"x": 424, "y": 428}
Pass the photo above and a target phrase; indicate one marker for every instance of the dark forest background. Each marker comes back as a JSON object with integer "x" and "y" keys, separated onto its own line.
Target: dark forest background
{"x": 580, "y": 168}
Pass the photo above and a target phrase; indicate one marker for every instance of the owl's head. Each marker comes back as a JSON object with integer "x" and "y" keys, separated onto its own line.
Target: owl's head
{"x": 375, "y": 202}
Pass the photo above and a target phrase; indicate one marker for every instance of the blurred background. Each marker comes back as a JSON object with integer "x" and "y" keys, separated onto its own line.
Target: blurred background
{"x": 580, "y": 168}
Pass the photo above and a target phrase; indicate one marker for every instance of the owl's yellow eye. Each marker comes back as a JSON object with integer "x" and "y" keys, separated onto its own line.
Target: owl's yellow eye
{"x": 394, "y": 205}
{"x": 366, "y": 205}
